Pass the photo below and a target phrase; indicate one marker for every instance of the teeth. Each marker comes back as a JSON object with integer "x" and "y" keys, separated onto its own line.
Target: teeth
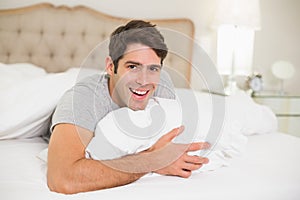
{"x": 139, "y": 92}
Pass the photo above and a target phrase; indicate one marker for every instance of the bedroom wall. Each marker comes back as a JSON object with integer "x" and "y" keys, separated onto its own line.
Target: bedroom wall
{"x": 278, "y": 39}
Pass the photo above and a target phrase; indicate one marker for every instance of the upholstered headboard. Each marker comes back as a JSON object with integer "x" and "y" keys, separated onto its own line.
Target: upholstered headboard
{"x": 59, "y": 37}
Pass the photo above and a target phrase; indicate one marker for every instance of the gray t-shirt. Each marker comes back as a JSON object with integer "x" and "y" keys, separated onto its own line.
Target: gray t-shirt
{"x": 89, "y": 101}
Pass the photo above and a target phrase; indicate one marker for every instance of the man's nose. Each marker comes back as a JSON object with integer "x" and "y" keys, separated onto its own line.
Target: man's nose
{"x": 142, "y": 77}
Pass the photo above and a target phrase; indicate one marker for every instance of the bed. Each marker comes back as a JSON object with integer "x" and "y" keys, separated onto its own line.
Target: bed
{"x": 39, "y": 48}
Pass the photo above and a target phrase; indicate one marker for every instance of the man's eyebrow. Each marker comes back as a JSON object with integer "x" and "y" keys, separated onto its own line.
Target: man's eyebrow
{"x": 133, "y": 62}
{"x": 140, "y": 64}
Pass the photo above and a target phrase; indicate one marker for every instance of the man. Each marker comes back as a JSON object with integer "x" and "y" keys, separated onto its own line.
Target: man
{"x": 136, "y": 54}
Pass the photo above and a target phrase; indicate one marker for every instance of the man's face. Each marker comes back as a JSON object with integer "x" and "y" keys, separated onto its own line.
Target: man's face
{"x": 137, "y": 77}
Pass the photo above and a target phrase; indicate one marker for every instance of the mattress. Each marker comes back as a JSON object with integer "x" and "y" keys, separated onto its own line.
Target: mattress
{"x": 268, "y": 169}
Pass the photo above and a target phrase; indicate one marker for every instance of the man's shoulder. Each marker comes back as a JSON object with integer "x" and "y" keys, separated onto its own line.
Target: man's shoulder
{"x": 92, "y": 81}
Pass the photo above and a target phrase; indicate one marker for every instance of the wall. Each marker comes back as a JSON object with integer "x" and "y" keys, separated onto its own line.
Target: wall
{"x": 278, "y": 38}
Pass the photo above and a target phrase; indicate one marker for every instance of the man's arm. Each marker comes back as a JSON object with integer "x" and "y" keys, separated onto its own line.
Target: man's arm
{"x": 70, "y": 172}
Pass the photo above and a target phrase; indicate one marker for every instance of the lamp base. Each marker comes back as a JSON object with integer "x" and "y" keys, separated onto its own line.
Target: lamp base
{"x": 281, "y": 91}
{"x": 231, "y": 87}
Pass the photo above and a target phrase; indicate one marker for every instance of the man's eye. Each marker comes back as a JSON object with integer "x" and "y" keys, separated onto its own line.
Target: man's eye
{"x": 154, "y": 68}
{"x": 132, "y": 66}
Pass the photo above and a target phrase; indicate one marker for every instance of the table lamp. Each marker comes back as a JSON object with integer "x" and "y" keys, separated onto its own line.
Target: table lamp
{"x": 283, "y": 70}
{"x": 236, "y": 22}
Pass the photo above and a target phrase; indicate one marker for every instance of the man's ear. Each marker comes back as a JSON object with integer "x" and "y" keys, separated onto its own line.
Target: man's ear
{"x": 109, "y": 66}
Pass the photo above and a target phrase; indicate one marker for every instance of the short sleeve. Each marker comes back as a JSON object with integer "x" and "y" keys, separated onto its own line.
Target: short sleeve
{"x": 75, "y": 107}
{"x": 84, "y": 105}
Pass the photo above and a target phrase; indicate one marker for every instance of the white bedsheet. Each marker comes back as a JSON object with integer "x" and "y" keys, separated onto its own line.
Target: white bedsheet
{"x": 269, "y": 169}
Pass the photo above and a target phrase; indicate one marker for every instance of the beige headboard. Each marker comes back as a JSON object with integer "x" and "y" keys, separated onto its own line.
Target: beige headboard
{"x": 59, "y": 37}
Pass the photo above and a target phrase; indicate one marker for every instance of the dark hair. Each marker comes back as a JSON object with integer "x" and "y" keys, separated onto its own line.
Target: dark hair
{"x": 136, "y": 31}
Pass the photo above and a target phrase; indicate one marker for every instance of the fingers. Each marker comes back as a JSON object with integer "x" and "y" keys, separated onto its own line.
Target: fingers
{"x": 195, "y": 159}
{"x": 166, "y": 139}
{"x": 184, "y": 166}
{"x": 187, "y": 169}
{"x": 198, "y": 146}
{"x": 167, "y": 154}
{"x": 184, "y": 173}
{"x": 172, "y": 134}
{"x": 173, "y": 159}
{"x": 191, "y": 164}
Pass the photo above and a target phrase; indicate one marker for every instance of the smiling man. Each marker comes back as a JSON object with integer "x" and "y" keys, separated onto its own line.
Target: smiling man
{"x": 134, "y": 75}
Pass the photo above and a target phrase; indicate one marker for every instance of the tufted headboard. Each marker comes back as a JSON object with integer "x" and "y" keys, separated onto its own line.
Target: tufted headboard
{"x": 59, "y": 37}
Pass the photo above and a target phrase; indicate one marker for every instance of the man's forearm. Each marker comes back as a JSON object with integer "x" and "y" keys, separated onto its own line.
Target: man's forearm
{"x": 70, "y": 172}
{"x": 88, "y": 175}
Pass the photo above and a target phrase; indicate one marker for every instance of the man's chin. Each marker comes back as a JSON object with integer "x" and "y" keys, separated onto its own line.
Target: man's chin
{"x": 140, "y": 106}
{"x": 137, "y": 108}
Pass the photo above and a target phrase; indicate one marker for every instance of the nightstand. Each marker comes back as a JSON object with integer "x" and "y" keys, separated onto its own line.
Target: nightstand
{"x": 286, "y": 108}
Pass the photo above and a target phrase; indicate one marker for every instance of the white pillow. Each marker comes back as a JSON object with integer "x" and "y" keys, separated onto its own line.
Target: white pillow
{"x": 124, "y": 131}
{"x": 14, "y": 74}
{"x": 29, "y": 96}
{"x": 26, "y": 106}
{"x": 237, "y": 112}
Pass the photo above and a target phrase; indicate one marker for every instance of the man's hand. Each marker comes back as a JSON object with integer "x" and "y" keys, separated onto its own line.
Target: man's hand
{"x": 173, "y": 159}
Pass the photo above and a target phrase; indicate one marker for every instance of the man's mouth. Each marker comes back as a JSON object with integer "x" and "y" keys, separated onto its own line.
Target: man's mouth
{"x": 139, "y": 92}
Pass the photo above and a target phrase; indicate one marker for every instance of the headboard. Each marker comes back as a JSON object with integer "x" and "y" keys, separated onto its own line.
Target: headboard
{"x": 59, "y": 37}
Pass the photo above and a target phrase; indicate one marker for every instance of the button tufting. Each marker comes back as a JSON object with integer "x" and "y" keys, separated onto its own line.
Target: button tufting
{"x": 51, "y": 55}
{"x": 103, "y": 35}
{"x": 83, "y": 33}
{"x": 72, "y": 56}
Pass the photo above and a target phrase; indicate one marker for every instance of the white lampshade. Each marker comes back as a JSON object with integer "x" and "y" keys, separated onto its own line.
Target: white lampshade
{"x": 283, "y": 69}
{"x": 241, "y": 13}
{"x": 236, "y": 21}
